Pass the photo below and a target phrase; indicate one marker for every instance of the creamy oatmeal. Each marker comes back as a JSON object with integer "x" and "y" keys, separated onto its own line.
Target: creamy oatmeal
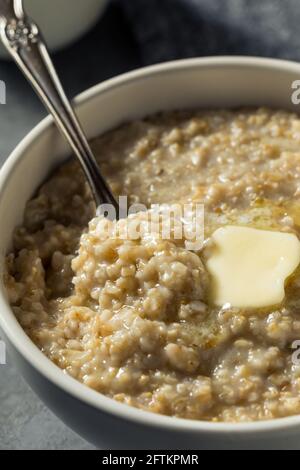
{"x": 133, "y": 319}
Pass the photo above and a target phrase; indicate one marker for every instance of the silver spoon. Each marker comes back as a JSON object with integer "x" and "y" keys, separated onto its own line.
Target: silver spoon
{"x": 24, "y": 42}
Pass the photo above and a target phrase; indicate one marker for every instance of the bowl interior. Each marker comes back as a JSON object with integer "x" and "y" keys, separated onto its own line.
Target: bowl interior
{"x": 204, "y": 83}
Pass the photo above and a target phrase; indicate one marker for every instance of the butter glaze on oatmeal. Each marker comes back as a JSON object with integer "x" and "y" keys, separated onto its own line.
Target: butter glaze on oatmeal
{"x": 131, "y": 318}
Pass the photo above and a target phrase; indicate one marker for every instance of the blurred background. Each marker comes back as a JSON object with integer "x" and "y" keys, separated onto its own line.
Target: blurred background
{"x": 94, "y": 40}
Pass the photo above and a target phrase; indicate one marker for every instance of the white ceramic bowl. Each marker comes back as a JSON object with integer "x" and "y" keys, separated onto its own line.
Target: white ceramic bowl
{"x": 212, "y": 82}
{"x": 61, "y": 21}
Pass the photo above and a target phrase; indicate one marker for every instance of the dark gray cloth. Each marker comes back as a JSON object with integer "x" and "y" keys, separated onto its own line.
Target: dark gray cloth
{"x": 172, "y": 29}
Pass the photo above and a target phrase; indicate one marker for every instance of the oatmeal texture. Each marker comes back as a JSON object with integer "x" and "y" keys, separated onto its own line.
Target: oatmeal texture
{"x": 132, "y": 318}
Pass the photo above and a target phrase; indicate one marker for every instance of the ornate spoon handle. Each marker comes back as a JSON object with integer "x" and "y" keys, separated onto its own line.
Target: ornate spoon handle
{"x": 24, "y": 42}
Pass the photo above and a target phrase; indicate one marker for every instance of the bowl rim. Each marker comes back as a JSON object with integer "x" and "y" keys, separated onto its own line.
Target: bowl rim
{"x": 29, "y": 351}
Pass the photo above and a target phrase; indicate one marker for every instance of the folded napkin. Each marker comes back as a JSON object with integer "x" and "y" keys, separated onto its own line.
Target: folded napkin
{"x": 172, "y": 29}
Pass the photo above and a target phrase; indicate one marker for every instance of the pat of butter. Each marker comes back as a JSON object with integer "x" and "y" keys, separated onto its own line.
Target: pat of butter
{"x": 249, "y": 267}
